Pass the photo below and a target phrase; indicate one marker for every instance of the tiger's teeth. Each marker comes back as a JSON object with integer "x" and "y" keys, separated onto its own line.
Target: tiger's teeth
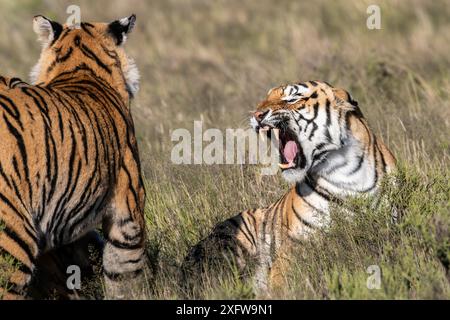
{"x": 285, "y": 165}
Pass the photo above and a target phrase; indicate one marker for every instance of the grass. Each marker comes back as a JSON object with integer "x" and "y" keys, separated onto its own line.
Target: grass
{"x": 8, "y": 266}
{"x": 214, "y": 60}
{"x": 413, "y": 254}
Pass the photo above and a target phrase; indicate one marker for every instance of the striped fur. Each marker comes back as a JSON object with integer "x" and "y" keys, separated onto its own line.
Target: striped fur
{"x": 69, "y": 159}
{"x": 337, "y": 156}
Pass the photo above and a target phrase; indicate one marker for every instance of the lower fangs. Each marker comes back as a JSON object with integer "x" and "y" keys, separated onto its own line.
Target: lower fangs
{"x": 285, "y": 166}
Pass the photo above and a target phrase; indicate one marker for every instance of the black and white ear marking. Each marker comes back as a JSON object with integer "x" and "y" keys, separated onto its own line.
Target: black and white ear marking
{"x": 351, "y": 100}
{"x": 345, "y": 96}
{"x": 47, "y": 30}
{"x": 119, "y": 29}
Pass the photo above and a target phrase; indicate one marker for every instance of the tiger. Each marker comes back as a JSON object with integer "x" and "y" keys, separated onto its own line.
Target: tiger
{"x": 69, "y": 159}
{"x": 326, "y": 151}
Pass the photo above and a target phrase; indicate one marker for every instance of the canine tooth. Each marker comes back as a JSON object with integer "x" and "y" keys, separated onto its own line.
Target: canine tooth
{"x": 285, "y": 165}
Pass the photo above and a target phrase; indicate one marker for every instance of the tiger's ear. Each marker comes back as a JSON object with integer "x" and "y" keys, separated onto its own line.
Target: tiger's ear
{"x": 344, "y": 96}
{"x": 47, "y": 30}
{"x": 119, "y": 29}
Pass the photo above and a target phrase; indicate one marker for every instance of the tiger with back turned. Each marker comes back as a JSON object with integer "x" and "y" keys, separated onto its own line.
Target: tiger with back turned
{"x": 68, "y": 156}
{"x": 326, "y": 150}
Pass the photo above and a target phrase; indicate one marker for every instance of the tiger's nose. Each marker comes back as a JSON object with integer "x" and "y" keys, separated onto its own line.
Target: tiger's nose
{"x": 259, "y": 115}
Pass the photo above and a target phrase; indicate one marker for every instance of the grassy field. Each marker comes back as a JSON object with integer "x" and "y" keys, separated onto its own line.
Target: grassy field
{"x": 214, "y": 60}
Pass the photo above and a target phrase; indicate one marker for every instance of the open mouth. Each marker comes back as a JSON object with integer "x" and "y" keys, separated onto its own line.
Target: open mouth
{"x": 289, "y": 147}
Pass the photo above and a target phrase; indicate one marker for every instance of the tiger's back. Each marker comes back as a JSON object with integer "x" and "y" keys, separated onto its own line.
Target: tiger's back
{"x": 65, "y": 148}
{"x": 70, "y": 159}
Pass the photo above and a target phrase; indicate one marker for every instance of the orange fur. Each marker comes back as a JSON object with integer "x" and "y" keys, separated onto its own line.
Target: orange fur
{"x": 69, "y": 159}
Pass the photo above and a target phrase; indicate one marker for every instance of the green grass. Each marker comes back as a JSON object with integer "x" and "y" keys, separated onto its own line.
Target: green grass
{"x": 413, "y": 254}
{"x": 8, "y": 265}
{"x": 214, "y": 60}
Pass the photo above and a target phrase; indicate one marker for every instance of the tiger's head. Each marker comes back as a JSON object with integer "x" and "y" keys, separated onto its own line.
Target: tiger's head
{"x": 311, "y": 122}
{"x": 99, "y": 46}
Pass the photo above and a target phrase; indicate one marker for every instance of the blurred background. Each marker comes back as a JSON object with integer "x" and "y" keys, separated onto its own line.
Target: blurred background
{"x": 215, "y": 60}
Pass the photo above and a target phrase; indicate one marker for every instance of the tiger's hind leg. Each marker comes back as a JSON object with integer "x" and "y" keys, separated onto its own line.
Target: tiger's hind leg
{"x": 13, "y": 278}
{"x": 50, "y": 277}
{"x": 123, "y": 226}
{"x": 18, "y": 252}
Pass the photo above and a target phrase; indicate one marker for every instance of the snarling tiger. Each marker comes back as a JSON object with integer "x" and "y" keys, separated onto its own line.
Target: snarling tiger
{"x": 69, "y": 158}
{"x": 326, "y": 150}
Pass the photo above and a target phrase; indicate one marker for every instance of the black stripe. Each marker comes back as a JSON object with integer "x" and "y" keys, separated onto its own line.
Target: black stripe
{"x": 64, "y": 34}
{"x": 327, "y": 108}
{"x": 298, "y": 216}
{"x": 302, "y": 164}
{"x": 91, "y": 55}
{"x": 250, "y": 234}
{"x": 297, "y": 190}
{"x": 327, "y": 196}
{"x": 319, "y": 155}
{"x": 130, "y": 186}
{"x": 16, "y": 238}
{"x": 237, "y": 226}
{"x": 85, "y": 26}
{"x": 2, "y": 173}
{"x": 132, "y": 261}
{"x": 15, "y": 82}
{"x": 61, "y": 125}
{"x": 18, "y": 195}
{"x": 358, "y": 165}
{"x": 16, "y": 166}
{"x": 122, "y": 245}
{"x": 79, "y": 218}
{"x": 116, "y": 276}
{"x": 23, "y": 152}
{"x": 60, "y": 59}
{"x": 13, "y": 111}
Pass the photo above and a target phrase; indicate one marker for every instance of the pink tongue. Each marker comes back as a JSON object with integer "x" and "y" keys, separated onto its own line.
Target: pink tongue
{"x": 290, "y": 151}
